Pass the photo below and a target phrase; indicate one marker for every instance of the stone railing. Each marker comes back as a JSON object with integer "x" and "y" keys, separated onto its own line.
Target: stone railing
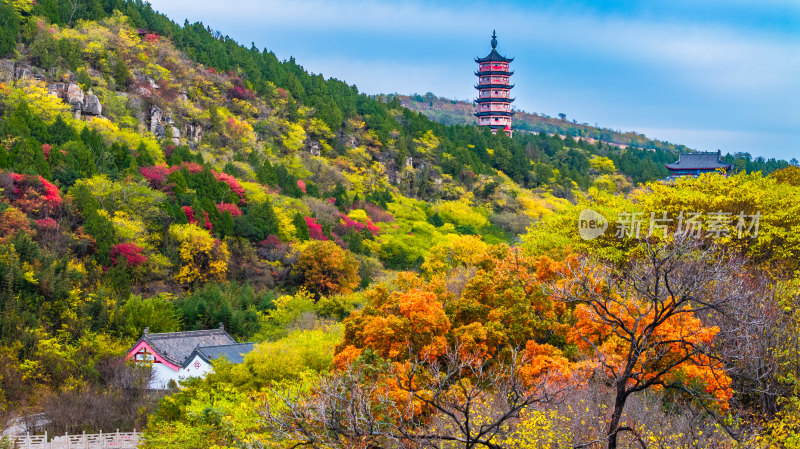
{"x": 115, "y": 440}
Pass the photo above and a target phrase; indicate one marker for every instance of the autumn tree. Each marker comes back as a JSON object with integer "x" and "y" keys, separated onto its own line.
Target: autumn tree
{"x": 12, "y": 222}
{"x": 453, "y": 400}
{"x": 643, "y": 324}
{"x": 328, "y": 269}
{"x": 488, "y": 298}
{"x": 499, "y": 300}
{"x": 788, "y": 175}
{"x": 396, "y": 326}
{"x": 202, "y": 257}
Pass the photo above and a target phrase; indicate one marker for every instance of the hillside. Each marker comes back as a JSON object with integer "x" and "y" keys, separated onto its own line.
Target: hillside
{"x": 145, "y": 186}
{"x": 400, "y": 276}
{"x": 452, "y": 112}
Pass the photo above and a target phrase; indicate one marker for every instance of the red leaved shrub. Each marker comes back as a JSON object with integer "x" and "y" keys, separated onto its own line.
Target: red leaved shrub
{"x": 192, "y": 167}
{"x": 350, "y": 223}
{"x": 241, "y": 92}
{"x": 187, "y": 210}
{"x": 372, "y": 228}
{"x": 229, "y": 207}
{"x": 130, "y": 251}
{"x": 51, "y": 193}
{"x": 232, "y": 182}
{"x": 156, "y": 175}
{"x": 376, "y": 213}
{"x": 315, "y": 230}
{"x": 46, "y": 224}
{"x": 34, "y": 194}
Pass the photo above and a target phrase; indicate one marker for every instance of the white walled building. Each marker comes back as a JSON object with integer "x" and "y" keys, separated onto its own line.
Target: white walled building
{"x": 180, "y": 355}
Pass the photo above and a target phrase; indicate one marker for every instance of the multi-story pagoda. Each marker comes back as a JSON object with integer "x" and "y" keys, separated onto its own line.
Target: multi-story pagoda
{"x": 493, "y": 105}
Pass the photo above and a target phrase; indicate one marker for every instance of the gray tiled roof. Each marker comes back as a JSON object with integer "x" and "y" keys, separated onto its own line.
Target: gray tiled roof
{"x": 493, "y": 56}
{"x": 706, "y": 160}
{"x": 234, "y": 353}
{"x": 176, "y": 347}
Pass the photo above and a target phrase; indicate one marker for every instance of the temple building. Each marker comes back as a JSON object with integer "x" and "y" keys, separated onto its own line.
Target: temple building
{"x": 695, "y": 164}
{"x": 493, "y": 105}
{"x": 175, "y": 356}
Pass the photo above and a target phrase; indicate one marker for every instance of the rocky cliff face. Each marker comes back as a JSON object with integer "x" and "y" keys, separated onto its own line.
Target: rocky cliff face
{"x": 88, "y": 104}
{"x": 156, "y": 124}
{"x": 71, "y": 93}
{"x": 82, "y": 103}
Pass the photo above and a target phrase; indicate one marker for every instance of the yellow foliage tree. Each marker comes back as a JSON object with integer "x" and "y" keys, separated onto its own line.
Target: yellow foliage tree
{"x": 602, "y": 164}
{"x": 456, "y": 251}
{"x": 294, "y": 137}
{"x": 39, "y": 101}
{"x": 204, "y": 258}
{"x": 426, "y": 144}
{"x": 461, "y": 213}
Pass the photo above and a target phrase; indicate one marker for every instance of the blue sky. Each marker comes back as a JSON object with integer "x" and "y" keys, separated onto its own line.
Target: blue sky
{"x": 710, "y": 74}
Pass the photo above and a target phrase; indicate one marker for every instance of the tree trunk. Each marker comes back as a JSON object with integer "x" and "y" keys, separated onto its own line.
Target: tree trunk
{"x": 613, "y": 424}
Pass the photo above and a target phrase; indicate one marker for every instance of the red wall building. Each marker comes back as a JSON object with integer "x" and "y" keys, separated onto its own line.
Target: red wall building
{"x": 493, "y": 105}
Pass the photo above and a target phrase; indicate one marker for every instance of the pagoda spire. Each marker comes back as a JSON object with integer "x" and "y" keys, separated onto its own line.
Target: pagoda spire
{"x": 493, "y": 105}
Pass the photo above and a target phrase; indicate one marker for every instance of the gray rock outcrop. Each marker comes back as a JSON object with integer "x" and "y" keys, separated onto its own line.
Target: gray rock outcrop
{"x": 144, "y": 85}
{"x": 175, "y": 133}
{"x": 74, "y": 95}
{"x": 6, "y": 70}
{"x": 314, "y": 147}
{"x": 91, "y": 104}
{"x": 71, "y": 93}
{"x": 56, "y": 89}
{"x": 156, "y": 126}
{"x": 194, "y": 133}
{"x": 23, "y": 72}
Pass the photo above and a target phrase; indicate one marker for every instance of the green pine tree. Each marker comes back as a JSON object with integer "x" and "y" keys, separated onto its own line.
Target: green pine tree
{"x": 300, "y": 224}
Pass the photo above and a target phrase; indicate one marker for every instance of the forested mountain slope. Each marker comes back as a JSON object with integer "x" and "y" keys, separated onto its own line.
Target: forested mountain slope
{"x": 161, "y": 176}
{"x": 206, "y": 183}
{"x": 453, "y": 112}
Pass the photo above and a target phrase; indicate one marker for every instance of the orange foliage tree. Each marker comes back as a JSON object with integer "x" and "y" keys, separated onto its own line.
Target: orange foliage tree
{"x": 397, "y": 325}
{"x": 643, "y": 324}
{"x": 504, "y": 303}
{"x": 485, "y": 305}
{"x": 328, "y": 269}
